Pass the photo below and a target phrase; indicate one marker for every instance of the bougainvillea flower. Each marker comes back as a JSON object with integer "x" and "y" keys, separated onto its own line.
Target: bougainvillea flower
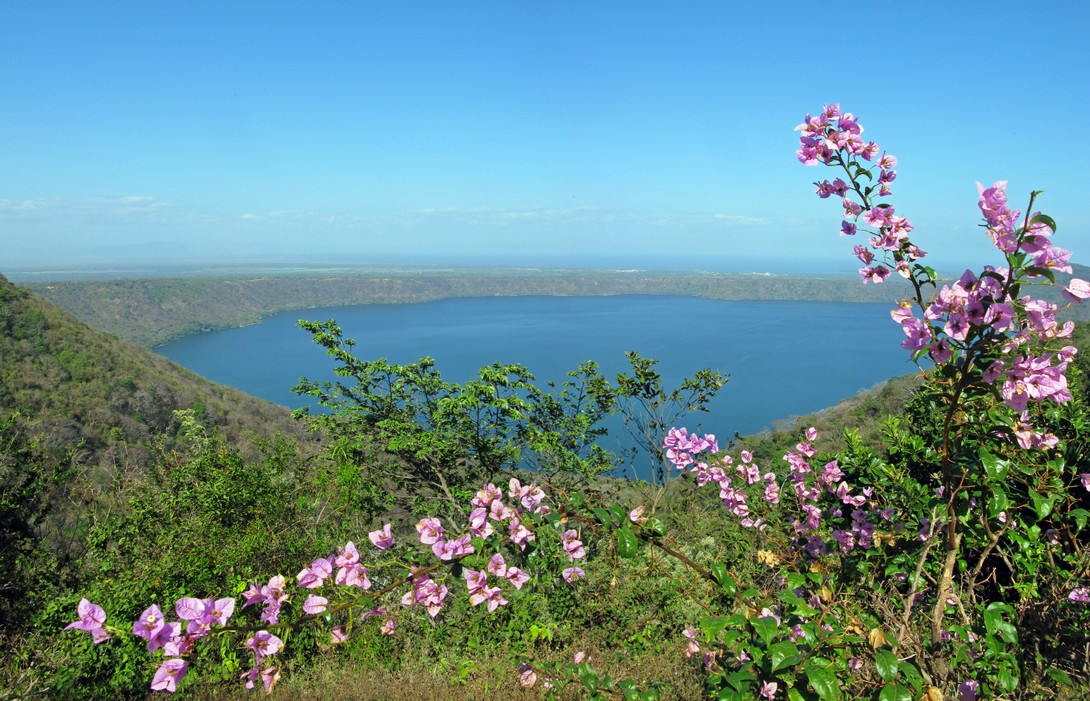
{"x": 91, "y": 616}
{"x": 315, "y": 604}
{"x": 169, "y": 674}
{"x": 517, "y": 577}
{"x": 149, "y": 624}
{"x": 1077, "y": 290}
{"x": 382, "y": 538}
{"x": 314, "y": 576}
{"x": 264, "y": 644}
{"x": 430, "y": 530}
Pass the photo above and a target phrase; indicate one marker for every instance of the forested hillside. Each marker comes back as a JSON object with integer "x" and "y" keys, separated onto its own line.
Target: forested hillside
{"x": 86, "y": 389}
{"x": 83, "y": 418}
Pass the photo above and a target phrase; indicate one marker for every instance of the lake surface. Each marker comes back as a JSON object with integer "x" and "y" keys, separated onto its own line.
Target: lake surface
{"x": 784, "y": 358}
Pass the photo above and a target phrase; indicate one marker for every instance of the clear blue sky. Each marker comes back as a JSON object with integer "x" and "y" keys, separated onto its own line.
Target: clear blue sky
{"x": 566, "y": 133}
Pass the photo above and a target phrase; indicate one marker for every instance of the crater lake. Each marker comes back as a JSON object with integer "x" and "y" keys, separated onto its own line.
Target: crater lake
{"x": 784, "y": 358}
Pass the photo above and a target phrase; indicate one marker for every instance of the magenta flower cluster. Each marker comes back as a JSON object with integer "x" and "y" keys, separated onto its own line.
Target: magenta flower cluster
{"x": 346, "y": 572}
{"x": 808, "y": 485}
{"x": 973, "y": 309}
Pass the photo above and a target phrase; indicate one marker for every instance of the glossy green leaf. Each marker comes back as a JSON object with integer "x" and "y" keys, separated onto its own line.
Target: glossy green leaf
{"x": 1060, "y": 677}
{"x": 997, "y": 625}
{"x": 912, "y": 676}
{"x": 995, "y": 469}
{"x": 657, "y": 526}
{"x": 713, "y": 625}
{"x": 894, "y": 692}
{"x": 766, "y": 628}
{"x": 620, "y": 516}
{"x": 1046, "y": 273}
{"x": 1041, "y": 505}
{"x": 1044, "y": 219}
{"x": 723, "y": 576}
{"x": 1008, "y": 679}
{"x": 822, "y": 679}
{"x": 887, "y": 663}
{"x": 627, "y": 542}
{"x": 784, "y": 654}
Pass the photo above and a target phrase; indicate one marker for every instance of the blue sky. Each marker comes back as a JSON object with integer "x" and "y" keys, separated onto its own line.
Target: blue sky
{"x": 627, "y": 134}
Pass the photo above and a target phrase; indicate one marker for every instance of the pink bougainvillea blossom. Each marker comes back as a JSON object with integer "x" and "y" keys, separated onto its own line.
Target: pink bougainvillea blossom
{"x": 169, "y": 674}
{"x": 382, "y": 538}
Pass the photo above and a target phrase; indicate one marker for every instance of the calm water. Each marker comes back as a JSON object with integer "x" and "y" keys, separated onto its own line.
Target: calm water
{"x": 784, "y": 358}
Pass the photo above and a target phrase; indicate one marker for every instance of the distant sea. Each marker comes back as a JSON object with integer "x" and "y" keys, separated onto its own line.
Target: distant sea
{"x": 784, "y": 358}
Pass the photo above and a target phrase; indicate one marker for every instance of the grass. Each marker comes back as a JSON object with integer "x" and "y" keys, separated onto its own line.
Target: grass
{"x": 494, "y": 677}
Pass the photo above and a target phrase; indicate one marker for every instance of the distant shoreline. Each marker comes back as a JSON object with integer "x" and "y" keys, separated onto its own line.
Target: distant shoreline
{"x": 156, "y": 310}
{"x": 152, "y": 311}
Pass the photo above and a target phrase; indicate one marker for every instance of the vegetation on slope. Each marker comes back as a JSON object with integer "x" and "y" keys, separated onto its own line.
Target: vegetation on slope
{"x": 82, "y": 413}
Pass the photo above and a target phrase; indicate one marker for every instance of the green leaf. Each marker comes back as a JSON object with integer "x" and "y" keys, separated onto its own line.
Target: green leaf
{"x": 1060, "y": 677}
{"x": 887, "y": 663}
{"x": 995, "y": 470}
{"x": 740, "y": 680}
{"x": 997, "y": 502}
{"x": 657, "y": 526}
{"x": 590, "y": 681}
{"x": 1041, "y": 504}
{"x": 620, "y": 516}
{"x": 713, "y": 625}
{"x": 912, "y": 676}
{"x": 1008, "y": 679}
{"x": 821, "y": 679}
{"x": 603, "y": 516}
{"x": 722, "y": 575}
{"x": 766, "y": 628}
{"x": 1044, "y": 219}
{"x": 784, "y": 654}
{"x": 894, "y": 692}
{"x": 1042, "y": 272}
{"x": 1080, "y": 516}
{"x": 997, "y": 625}
{"x": 627, "y": 542}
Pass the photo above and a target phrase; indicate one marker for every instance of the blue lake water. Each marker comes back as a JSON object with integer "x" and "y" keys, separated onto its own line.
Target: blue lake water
{"x": 784, "y": 358}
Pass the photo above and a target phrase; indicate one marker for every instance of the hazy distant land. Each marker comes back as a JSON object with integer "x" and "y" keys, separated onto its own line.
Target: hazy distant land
{"x": 153, "y": 311}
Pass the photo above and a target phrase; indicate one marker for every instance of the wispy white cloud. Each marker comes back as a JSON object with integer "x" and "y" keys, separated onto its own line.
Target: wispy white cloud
{"x": 123, "y": 205}
{"x": 739, "y": 218}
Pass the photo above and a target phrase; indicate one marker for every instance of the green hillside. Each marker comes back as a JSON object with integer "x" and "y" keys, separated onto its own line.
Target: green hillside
{"x": 83, "y": 388}
{"x": 83, "y": 417}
